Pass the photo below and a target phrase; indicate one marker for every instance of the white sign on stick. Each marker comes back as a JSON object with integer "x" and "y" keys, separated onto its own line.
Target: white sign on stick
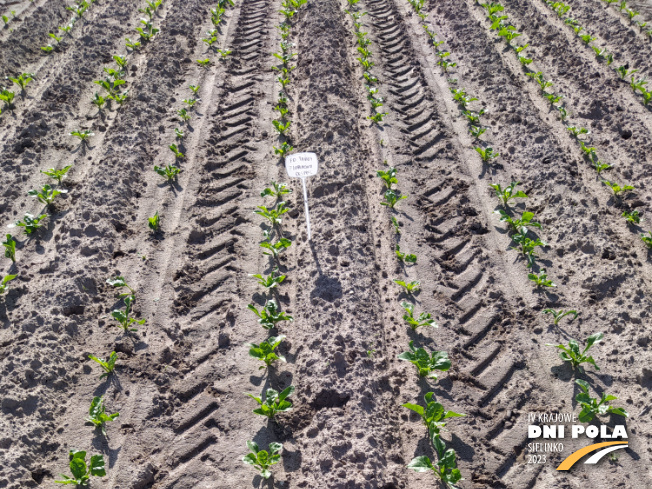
{"x": 302, "y": 165}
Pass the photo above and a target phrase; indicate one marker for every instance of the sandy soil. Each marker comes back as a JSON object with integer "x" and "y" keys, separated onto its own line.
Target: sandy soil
{"x": 181, "y": 379}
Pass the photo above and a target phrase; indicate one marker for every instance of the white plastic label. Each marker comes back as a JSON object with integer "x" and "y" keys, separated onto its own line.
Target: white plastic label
{"x": 301, "y": 165}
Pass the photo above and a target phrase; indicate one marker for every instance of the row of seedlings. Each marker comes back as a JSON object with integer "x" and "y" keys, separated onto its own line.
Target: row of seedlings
{"x": 364, "y": 49}
{"x": 275, "y": 242}
{"x": 212, "y": 35}
{"x": 78, "y": 9}
{"x": 506, "y": 30}
{"x": 517, "y": 225}
{"x": 81, "y": 471}
{"x": 572, "y": 353}
{"x": 427, "y": 363}
{"x": 622, "y": 7}
{"x": 636, "y": 84}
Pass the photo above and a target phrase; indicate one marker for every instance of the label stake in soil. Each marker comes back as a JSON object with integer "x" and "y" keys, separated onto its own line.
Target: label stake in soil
{"x": 302, "y": 165}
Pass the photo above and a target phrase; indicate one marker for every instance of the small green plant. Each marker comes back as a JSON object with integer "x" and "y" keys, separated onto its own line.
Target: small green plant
{"x": 190, "y": 102}
{"x": 281, "y": 127}
{"x": 30, "y": 223}
{"x": 396, "y": 225}
{"x": 79, "y": 8}
{"x": 559, "y": 315}
{"x": 284, "y": 149}
{"x": 377, "y": 117}
{"x": 273, "y": 214}
{"x": 261, "y": 460}
{"x": 47, "y": 49}
{"x": 600, "y": 167}
{"x": 204, "y": 62}
{"x": 508, "y": 193}
{"x": 99, "y": 101}
{"x": 388, "y": 177}
{"x": 123, "y": 318}
{"x": 616, "y": 188}
{"x": 175, "y": 149}
{"x": 446, "y": 466}
{"x": 274, "y": 249}
{"x": 81, "y": 471}
{"x": 404, "y": 257}
{"x": 426, "y": 363}
{"x": 487, "y": 154}
{"x": 527, "y": 245}
{"x": 410, "y": 287}
{"x": 10, "y": 248}
{"x": 477, "y": 131}
{"x": 3, "y": 283}
{"x": 57, "y": 174}
{"x": 183, "y": 114}
{"x": 133, "y": 45}
{"x": 392, "y": 198}
{"x": 270, "y": 281}
{"x": 273, "y": 402}
{"x": 633, "y": 217}
{"x": 179, "y": 133}
{"x": 590, "y": 405}
{"x": 424, "y": 319}
{"x": 47, "y": 194}
{"x": 269, "y": 315}
{"x": 577, "y": 131}
{"x": 647, "y": 239}
{"x": 265, "y": 351}
{"x": 147, "y": 31}
{"x": 168, "y": 172}
{"x": 541, "y": 280}
{"x": 22, "y": 80}
{"x": 83, "y": 135}
{"x": 119, "y": 282}
{"x": 108, "y": 366}
{"x": 277, "y": 190}
{"x": 194, "y": 89}
{"x": 518, "y": 225}
{"x": 572, "y": 352}
{"x": 7, "y": 96}
{"x": 154, "y": 223}
{"x": 97, "y": 414}
{"x": 433, "y": 415}
{"x": 224, "y": 53}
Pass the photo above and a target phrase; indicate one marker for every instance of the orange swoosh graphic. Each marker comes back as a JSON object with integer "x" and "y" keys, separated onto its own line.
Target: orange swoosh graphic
{"x": 575, "y": 456}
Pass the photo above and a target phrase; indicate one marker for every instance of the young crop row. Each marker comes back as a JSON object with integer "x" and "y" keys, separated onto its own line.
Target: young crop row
{"x": 636, "y": 84}
{"x": 275, "y": 242}
{"x": 518, "y": 229}
{"x": 78, "y": 9}
{"x": 622, "y": 7}
{"x": 364, "y": 49}
{"x": 500, "y": 24}
{"x": 217, "y": 15}
{"x": 81, "y": 469}
{"x": 427, "y": 363}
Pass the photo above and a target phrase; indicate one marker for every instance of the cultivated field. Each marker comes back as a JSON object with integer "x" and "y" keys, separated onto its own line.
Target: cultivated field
{"x": 157, "y": 146}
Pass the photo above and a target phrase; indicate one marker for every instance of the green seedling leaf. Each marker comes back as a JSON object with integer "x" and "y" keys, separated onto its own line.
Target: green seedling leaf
{"x": 426, "y": 363}
{"x": 411, "y": 287}
{"x": 123, "y": 318}
{"x": 270, "y": 281}
{"x": 559, "y": 315}
{"x": 272, "y": 214}
{"x": 97, "y": 414}
{"x": 262, "y": 460}
{"x": 405, "y": 257}
{"x": 269, "y": 315}
{"x": 3, "y": 283}
{"x": 392, "y": 198}
{"x": 572, "y": 352}
{"x": 47, "y": 194}
{"x": 616, "y": 188}
{"x": 388, "y": 177}
{"x": 108, "y": 366}
{"x": 433, "y": 415}
{"x": 265, "y": 350}
{"x": 81, "y": 471}
{"x": 10, "y": 248}
{"x": 423, "y": 320}
{"x": 508, "y": 193}
{"x": 273, "y": 402}
{"x": 30, "y": 223}
{"x": 542, "y": 279}
{"x": 168, "y": 172}
{"x": 590, "y": 405}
